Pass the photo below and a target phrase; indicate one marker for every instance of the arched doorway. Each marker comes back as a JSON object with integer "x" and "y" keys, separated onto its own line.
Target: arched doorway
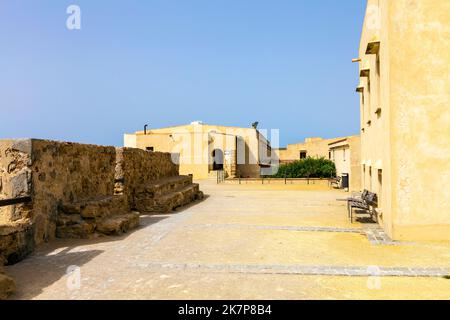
{"x": 217, "y": 157}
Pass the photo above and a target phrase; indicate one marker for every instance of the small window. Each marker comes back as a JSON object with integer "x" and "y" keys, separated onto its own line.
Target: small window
{"x": 150, "y": 149}
{"x": 329, "y": 155}
{"x": 303, "y": 154}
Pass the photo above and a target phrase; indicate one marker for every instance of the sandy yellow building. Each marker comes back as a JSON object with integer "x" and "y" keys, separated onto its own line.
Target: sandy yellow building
{"x": 405, "y": 115}
{"x": 311, "y": 147}
{"x": 344, "y": 151}
{"x": 346, "y": 155}
{"x": 202, "y": 149}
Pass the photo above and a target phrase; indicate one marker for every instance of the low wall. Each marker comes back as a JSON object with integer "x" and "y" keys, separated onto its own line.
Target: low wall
{"x": 135, "y": 168}
{"x": 289, "y": 181}
{"x": 58, "y": 174}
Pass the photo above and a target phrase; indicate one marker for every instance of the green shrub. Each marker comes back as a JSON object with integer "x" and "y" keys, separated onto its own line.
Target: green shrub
{"x": 307, "y": 168}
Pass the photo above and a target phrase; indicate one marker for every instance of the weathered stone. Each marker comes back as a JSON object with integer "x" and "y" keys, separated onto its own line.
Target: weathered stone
{"x": 19, "y": 184}
{"x": 181, "y": 193}
{"x": 78, "y": 190}
{"x": 71, "y": 208}
{"x": 16, "y": 242}
{"x": 7, "y": 286}
{"x": 68, "y": 220}
{"x": 82, "y": 230}
{"x": 118, "y": 225}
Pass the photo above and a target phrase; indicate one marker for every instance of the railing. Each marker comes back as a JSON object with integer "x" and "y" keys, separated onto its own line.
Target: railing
{"x": 220, "y": 176}
{"x": 10, "y": 202}
{"x": 285, "y": 180}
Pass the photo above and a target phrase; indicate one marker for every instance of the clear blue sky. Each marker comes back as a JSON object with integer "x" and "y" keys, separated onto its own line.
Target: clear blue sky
{"x": 286, "y": 64}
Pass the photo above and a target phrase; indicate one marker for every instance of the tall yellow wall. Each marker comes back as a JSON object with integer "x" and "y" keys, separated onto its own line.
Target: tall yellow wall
{"x": 420, "y": 120}
{"x": 410, "y": 140}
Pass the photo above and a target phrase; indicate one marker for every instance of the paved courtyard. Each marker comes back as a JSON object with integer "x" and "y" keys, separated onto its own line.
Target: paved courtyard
{"x": 241, "y": 242}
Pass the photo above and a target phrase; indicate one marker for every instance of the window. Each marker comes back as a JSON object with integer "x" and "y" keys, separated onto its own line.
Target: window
{"x": 303, "y": 154}
{"x": 364, "y": 176}
{"x": 149, "y": 149}
{"x": 329, "y": 155}
{"x": 380, "y": 184}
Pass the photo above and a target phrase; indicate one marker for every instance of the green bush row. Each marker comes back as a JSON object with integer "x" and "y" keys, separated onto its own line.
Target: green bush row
{"x": 307, "y": 168}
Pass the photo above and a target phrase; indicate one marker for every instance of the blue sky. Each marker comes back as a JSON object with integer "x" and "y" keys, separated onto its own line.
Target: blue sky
{"x": 286, "y": 64}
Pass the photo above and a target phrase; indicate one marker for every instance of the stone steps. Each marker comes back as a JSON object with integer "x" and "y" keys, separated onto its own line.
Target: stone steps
{"x": 118, "y": 225}
{"x": 167, "y": 185}
{"x": 86, "y": 219}
{"x": 170, "y": 200}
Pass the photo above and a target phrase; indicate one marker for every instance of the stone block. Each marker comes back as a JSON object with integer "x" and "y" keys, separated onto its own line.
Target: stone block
{"x": 16, "y": 242}
{"x": 7, "y": 286}
{"x": 83, "y": 230}
{"x": 118, "y": 225}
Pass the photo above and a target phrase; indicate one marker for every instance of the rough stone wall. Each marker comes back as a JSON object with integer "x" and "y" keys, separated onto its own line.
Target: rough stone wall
{"x": 136, "y": 168}
{"x": 80, "y": 191}
{"x": 16, "y": 227}
{"x": 71, "y": 185}
{"x": 67, "y": 173}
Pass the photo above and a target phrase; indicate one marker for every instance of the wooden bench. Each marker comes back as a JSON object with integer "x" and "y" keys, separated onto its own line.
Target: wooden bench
{"x": 365, "y": 203}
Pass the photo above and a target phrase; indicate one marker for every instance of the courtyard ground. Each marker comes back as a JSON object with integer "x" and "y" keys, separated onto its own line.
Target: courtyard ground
{"x": 241, "y": 242}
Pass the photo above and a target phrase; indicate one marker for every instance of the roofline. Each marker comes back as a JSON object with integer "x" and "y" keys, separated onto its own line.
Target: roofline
{"x": 190, "y": 124}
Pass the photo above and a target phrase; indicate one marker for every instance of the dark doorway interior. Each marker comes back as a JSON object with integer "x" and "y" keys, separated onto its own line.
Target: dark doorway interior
{"x": 217, "y": 155}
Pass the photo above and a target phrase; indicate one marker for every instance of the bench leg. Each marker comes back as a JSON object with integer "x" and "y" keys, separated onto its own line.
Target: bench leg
{"x": 351, "y": 214}
{"x": 348, "y": 209}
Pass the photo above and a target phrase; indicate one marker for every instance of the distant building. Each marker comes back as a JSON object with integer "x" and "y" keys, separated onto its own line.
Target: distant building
{"x": 203, "y": 149}
{"x": 312, "y": 147}
{"x": 346, "y": 155}
{"x": 405, "y": 115}
{"x": 344, "y": 151}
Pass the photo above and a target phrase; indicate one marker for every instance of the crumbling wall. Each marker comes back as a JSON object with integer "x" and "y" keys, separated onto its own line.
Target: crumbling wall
{"x": 53, "y": 174}
{"x": 64, "y": 173}
{"x": 136, "y": 168}
{"x": 76, "y": 190}
{"x": 16, "y": 227}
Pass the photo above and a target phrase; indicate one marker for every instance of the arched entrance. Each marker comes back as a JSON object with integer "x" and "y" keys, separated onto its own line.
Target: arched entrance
{"x": 217, "y": 157}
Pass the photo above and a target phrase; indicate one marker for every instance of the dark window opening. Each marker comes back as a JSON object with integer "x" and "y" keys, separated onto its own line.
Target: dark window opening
{"x": 303, "y": 154}
{"x": 150, "y": 149}
{"x": 217, "y": 156}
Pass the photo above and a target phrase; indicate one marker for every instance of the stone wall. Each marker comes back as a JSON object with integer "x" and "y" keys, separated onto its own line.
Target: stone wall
{"x": 64, "y": 173}
{"x": 76, "y": 190}
{"x": 136, "y": 168}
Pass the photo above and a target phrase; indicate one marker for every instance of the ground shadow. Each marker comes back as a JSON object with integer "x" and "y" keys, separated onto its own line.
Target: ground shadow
{"x": 34, "y": 274}
{"x": 50, "y": 261}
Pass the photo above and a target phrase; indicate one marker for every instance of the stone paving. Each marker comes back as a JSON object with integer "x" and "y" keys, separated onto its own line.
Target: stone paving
{"x": 351, "y": 271}
{"x": 241, "y": 242}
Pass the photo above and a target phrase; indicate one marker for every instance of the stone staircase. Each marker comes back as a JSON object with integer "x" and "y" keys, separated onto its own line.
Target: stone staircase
{"x": 165, "y": 195}
{"x": 106, "y": 215}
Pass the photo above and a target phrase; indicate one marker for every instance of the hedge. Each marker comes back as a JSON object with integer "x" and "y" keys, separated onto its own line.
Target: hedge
{"x": 307, "y": 168}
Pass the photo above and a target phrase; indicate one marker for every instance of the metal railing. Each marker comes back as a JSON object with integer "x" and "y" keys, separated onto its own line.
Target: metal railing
{"x": 220, "y": 176}
{"x": 10, "y": 202}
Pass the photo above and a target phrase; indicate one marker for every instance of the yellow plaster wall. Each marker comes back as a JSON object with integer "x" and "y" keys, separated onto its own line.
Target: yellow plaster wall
{"x": 411, "y": 137}
{"x": 195, "y": 143}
